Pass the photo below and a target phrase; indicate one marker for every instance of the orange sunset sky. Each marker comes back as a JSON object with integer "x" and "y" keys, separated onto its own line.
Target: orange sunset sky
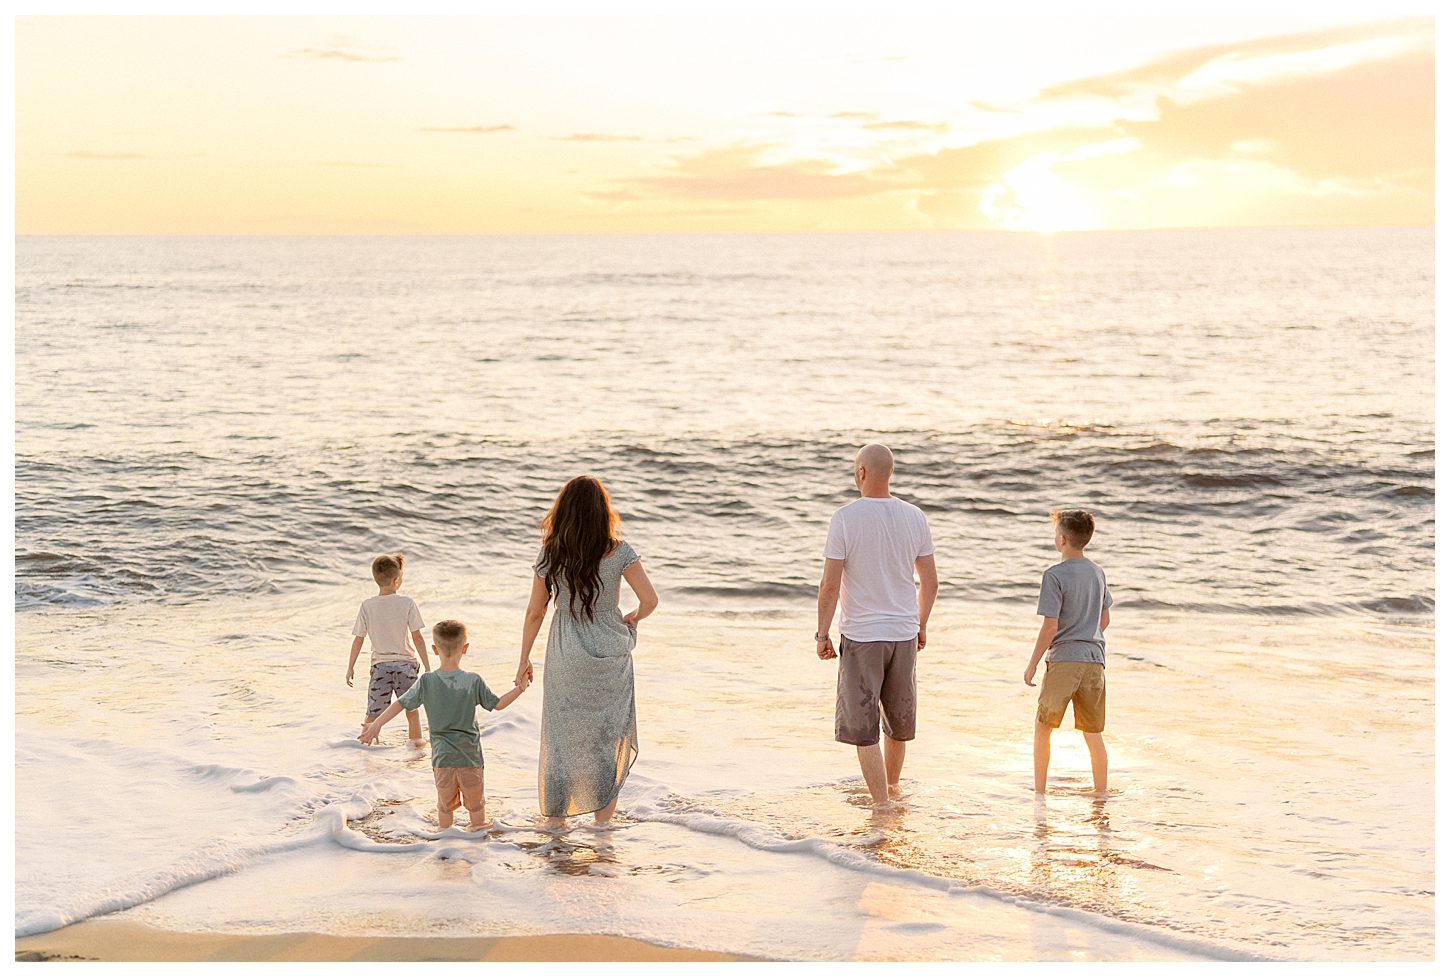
{"x": 345, "y": 125}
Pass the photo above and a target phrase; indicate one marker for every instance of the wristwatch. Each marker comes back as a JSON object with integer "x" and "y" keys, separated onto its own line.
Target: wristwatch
{"x": 824, "y": 637}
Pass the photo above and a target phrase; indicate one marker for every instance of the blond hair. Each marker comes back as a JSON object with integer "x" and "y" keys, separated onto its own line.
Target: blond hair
{"x": 1076, "y": 525}
{"x": 386, "y": 567}
{"x": 449, "y": 637}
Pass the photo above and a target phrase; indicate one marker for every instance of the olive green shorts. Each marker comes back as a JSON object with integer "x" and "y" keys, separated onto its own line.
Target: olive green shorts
{"x": 1081, "y": 683}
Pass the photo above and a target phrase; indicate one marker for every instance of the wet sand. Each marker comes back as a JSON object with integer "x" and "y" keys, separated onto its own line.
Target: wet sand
{"x": 123, "y": 940}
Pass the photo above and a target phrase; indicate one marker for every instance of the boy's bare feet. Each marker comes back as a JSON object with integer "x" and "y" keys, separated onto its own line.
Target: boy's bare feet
{"x": 417, "y": 744}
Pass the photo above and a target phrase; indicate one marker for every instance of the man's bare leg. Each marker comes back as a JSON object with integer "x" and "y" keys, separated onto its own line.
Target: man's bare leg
{"x": 1041, "y": 752}
{"x": 415, "y": 729}
{"x": 873, "y": 768}
{"x": 895, "y": 757}
{"x": 1099, "y": 754}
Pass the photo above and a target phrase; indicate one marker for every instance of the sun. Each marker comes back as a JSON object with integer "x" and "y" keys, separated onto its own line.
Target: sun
{"x": 1032, "y": 197}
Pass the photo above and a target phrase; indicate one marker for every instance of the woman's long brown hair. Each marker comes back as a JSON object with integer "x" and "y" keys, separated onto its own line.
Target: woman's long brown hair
{"x": 579, "y": 530}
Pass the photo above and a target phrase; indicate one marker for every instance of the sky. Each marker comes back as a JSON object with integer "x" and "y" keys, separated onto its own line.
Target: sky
{"x": 514, "y": 124}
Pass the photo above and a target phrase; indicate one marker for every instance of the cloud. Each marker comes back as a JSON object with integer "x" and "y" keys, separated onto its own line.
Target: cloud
{"x": 906, "y": 125}
{"x": 983, "y": 163}
{"x": 1320, "y": 127}
{"x": 611, "y": 137}
{"x": 735, "y": 173}
{"x": 480, "y": 130}
{"x": 598, "y": 137}
{"x": 1176, "y": 66}
{"x": 1373, "y": 119}
{"x": 342, "y": 49}
{"x": 88, "y": 154}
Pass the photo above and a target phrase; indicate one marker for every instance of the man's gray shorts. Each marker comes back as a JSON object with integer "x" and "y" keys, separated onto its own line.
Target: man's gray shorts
{"x": 876, "y": 690}
{"x": 386, "y": 679}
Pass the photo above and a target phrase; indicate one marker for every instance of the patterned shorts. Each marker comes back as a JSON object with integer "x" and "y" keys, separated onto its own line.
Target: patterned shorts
{"x": 389, "y": 679}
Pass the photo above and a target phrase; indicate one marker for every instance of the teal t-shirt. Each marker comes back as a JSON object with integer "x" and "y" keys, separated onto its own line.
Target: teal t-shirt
{"x": 448, "y": 699}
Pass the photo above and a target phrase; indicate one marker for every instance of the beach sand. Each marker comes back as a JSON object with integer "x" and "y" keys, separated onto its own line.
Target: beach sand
{"x": 123, "y": 940}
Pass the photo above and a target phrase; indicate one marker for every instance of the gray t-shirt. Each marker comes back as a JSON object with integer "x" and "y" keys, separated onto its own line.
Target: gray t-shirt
{"x": 448, "y": 699}
{"x": 1076, "y": 593}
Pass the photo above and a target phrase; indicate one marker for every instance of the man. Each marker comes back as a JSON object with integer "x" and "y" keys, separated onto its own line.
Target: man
{"x": 871, "y": 548}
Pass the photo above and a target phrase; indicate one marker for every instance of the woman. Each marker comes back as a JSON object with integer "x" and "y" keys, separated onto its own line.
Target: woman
{"x": 588, "y": 742}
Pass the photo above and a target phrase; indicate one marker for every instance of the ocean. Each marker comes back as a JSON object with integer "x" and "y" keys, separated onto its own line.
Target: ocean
{"x": 215, "y": 435}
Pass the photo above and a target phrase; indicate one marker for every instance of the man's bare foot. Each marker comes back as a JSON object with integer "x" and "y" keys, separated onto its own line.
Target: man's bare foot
{"x": 895, "y": 790}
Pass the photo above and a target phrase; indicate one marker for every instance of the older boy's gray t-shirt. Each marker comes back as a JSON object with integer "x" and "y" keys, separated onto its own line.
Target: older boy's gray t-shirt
{"x": 1075, "y": 592}
{"x": 448, "y": 699}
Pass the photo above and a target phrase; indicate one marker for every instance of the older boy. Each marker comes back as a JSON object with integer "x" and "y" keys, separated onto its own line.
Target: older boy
{"x": 387, "y": 619}
{"x": 449, "y": 696}
{"x": 1074, "y": 606}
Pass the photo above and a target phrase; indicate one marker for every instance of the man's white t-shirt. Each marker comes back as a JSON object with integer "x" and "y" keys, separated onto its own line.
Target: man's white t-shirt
{"x": 387, "y": 619}
{"x": 879, "y": 540}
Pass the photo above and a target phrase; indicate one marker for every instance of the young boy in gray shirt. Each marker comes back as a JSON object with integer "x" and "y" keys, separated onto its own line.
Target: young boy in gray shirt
{"x": 1074, "y": 606}
{"x": 449, "y": 696}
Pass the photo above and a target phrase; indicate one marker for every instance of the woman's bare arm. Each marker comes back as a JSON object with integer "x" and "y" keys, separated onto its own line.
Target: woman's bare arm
{"x": 638, "y": 581}
{"x": 533, "y": 620}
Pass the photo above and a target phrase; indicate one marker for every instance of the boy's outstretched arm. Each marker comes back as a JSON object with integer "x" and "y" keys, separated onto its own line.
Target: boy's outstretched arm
{"x": 357, "y": 644}
{"x": 512, "y": 694}
{"x": 422, "y": 650}
{"x": 371, "y": 730}
{"x": 1044, "y": 638}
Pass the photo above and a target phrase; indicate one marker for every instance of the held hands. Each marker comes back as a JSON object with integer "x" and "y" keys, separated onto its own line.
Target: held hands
{"x": 524, "y": 677}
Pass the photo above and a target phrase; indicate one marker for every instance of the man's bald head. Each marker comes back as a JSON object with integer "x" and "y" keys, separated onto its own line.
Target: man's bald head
{"x": 877, "y": 460}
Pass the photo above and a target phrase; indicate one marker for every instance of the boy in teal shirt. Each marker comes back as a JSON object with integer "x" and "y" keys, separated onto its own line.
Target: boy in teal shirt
{"x": 449, "y": 695}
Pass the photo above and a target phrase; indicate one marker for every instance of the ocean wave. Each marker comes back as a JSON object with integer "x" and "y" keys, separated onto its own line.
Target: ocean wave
{"x": 730, "y": 519}
{"x": 217, "y": 858}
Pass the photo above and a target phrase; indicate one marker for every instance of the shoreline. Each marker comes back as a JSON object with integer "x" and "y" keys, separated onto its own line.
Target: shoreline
{"x": 121, "y": 940}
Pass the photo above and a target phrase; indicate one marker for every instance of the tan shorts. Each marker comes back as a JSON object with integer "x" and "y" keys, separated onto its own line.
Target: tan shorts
{"x": 1081, "y": 683}
{"x": 459, "y": 782}
{"x": 876, "y": 690}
